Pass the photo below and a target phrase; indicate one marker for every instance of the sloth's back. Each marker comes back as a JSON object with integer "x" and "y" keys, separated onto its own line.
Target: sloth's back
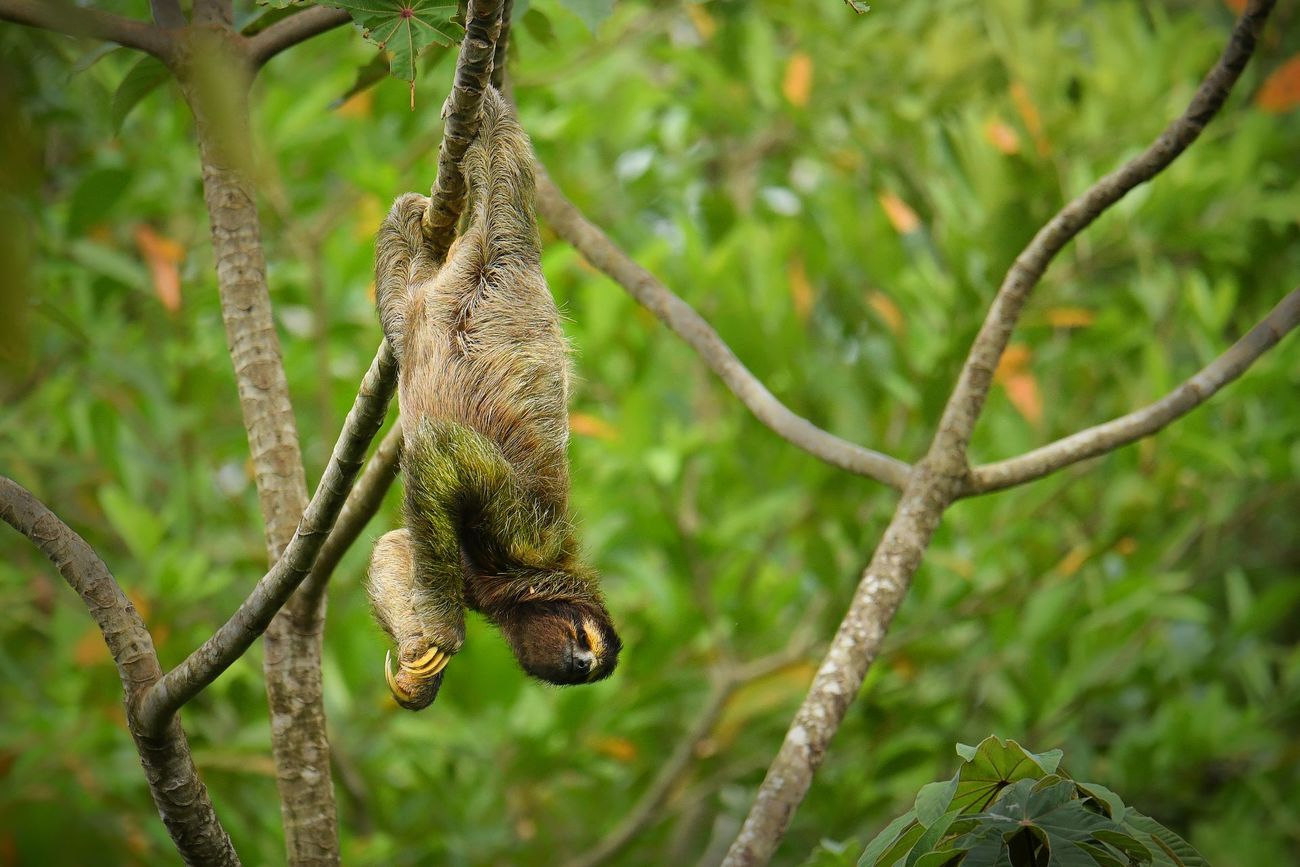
{"x": 485, "y": 349}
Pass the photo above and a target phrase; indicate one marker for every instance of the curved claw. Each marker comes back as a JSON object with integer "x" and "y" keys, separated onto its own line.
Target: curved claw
{"x": 398, "y": 693}
{"x": 429, "y": 664}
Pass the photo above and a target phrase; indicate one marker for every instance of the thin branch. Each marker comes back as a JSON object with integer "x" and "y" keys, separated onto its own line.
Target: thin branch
{"x": 570, "y": 224}
{"x": 647, "y": 809}
{"x": 364, "y": 501}
{"x": 64, "y": 17}
{"x": 288, "y": 32}
{"x": 179, "y": 794}
{"x": 461, "y": 112}
{"x": 1141, "y": 423}
{"x": 499, "y": 55}
{"x": 238, "y": 633}
{"x": 939, "y": 478}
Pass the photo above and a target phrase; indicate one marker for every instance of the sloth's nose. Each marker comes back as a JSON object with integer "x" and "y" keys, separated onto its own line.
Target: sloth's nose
{"x": 582, "y": 662}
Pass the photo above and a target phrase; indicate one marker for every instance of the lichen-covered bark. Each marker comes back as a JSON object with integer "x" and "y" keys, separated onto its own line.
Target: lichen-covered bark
{"x": 216, "y": 84}
{"x": 179, "y": 794}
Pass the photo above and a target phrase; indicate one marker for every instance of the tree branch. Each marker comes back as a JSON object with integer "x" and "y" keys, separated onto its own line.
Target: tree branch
{"x": 364, "y": 501}
{"x": 939, "y": 478}
{"x": 462, "y": 113}
{"x": 1150, "y": 419}
{"x": 499, "y": 54}
{"x": 238, "y": 633}
{"x": 64, "y": 17}
{"x": 179, "y": 794}
{"x": 215, "y": 77}
{"x": 288, "y": 32}
{"x": 570, "y": 224}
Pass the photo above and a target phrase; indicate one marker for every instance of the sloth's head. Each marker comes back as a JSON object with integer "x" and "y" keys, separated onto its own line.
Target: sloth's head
{"x": 563, "y": 642}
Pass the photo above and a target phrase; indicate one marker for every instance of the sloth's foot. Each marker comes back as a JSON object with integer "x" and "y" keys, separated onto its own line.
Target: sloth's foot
{"x": 418, "y": 678}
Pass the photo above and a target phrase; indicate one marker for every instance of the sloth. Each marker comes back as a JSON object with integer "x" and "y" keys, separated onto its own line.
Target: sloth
{"x": 483, "y": 393}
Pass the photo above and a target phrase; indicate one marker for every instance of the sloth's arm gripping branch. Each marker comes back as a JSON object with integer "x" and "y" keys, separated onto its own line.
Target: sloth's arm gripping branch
{"x": 570, "y": 224}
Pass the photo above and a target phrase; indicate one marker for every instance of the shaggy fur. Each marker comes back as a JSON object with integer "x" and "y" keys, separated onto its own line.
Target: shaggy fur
{"x": 484, "y": 402}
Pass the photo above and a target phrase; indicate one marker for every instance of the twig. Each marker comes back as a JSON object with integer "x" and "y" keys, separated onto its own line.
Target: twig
{"x": 1149, "y": 419}
{"x": 288, "y": 32}
{"x": 941, "y": 475}
{"x": 364, "y": 501}
{"x": 64, "y": 17}
{"x": 235, "y": 636}
{"x": 179, "y": 794}
{"x": 569, "y": 223}
{"x": 647, "y": 808}
{"x": 461, "y": 112}
{"x": 499, "y": 55}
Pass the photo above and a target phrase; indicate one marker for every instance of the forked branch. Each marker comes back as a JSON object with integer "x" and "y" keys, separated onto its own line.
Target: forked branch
{"x": 235, "y": 636}
{"x": 288, "y": 32}
{"x": 587, "y": 238}
{"x": 941, "y": 476}
{"x": 179, "y": 794}
{"x": 1149, "y": 419}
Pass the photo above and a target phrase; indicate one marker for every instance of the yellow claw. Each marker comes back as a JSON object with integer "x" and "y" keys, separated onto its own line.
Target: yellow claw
{"x": 392, "y": 681}
{"x": 426, "y": 665}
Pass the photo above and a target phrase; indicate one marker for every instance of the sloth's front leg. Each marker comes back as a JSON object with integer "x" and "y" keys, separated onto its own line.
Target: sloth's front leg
{"x": 398, "y": 599}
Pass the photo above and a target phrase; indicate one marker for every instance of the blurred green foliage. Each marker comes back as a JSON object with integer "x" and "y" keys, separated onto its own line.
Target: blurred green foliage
{"x": 839, "y": 194}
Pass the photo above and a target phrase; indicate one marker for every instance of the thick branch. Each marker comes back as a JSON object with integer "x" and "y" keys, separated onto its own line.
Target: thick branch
{"x": 364, "y": 501}
{"x": 180, "y": 796}
{"x": 1141, "y": 423}
{"x": 215, "y": 79}
{"x": 238, "y": 633}
{"x": 941, "y": 475}
{"x": 462, "y": 113}
{"x": 288, "y": 32}
{"x": 499, "y": 55}
{"x": 63, "y": 17}
{"x": 569, "y": 223}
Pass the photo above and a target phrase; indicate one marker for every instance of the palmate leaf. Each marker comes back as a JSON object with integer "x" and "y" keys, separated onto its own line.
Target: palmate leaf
{"x": 404, "y": 28}
{"x": 994, "y": 765}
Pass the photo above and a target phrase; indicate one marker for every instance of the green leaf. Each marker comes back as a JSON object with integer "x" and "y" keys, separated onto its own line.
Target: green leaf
{"x": 994, "y": 766}
{"x": 933, "y": 800}
{"x": 1110, "y": 801}
{"x": 539, "y": 27}
{"x": 94, "y": 197}
{"x": 858, "y": 6}
{"x": 1167, "y": 849}
{"x": 404, "y": 28}
{"x": 138, "y": 525}
{"x": 885, "y": 839}
{"x": 141, "y": 79}
{"x": 592, "y": 12}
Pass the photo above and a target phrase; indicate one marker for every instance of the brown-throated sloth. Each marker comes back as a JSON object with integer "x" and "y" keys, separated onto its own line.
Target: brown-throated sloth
{"x": 484, "y": 412}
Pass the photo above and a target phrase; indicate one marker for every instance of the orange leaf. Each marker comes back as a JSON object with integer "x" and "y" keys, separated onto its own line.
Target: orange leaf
{"x": 1071, "y": 317}
{"x": 590, "y": 426}
{"x": 164, "y": 257}
{"x": 358, "y": 106}
{"x": 90, "y": 649}
{"x": 1237, "y": 6}
{"x": 797, "y": 85}
{"x": 1022, "y": 389}
{"x": 620, "y": 749}
{"x": 1001, "y": 136}
{"x": 801, "y": 291}
{"x": 1281, "y": 90}
{"x": 1029, "y": 114}
{"x": 1073, "y": 561}
{"x": 1014, "y": 360}
{"x": 887, "y": 310}
{"x": 901, "y": 217}
{"x": 703, "y": 21}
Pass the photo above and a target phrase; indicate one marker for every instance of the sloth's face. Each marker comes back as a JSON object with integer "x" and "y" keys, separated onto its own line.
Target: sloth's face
{"x": 563, "y": 642}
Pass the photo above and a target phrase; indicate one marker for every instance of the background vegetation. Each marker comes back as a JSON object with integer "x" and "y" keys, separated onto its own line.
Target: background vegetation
{"x": 838, "y": 195}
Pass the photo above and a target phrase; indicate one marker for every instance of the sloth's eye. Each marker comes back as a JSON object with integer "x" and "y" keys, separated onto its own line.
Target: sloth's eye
{"x": 582, "y": 639}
